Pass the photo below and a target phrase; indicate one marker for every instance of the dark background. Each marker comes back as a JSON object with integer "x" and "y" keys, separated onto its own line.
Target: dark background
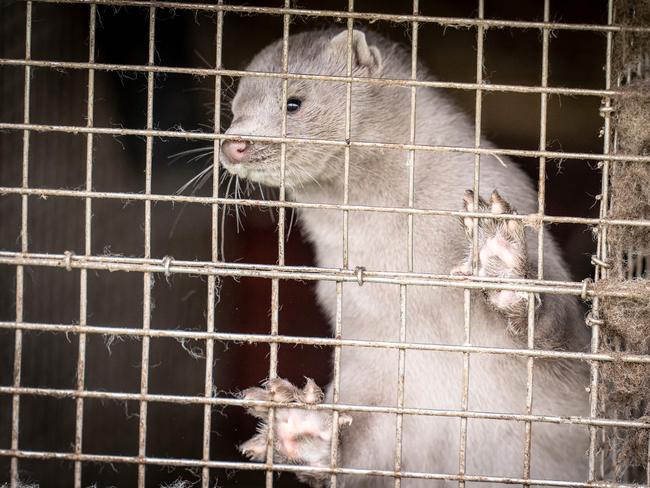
{"x": 185, "y": 38}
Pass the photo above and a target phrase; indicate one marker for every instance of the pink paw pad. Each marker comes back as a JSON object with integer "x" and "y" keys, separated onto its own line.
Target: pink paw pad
{"x": 500, "y": 248}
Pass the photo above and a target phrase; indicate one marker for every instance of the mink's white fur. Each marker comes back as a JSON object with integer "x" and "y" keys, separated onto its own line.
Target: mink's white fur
{"x": 378, "y": 241}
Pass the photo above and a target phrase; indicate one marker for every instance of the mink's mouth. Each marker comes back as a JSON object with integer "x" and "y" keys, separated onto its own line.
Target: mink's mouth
{"x": 268, "y": 176}
{"x": 263, "y": 167}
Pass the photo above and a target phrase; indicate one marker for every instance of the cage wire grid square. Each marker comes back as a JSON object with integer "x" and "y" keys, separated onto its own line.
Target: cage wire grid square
{"x": 213, "y": 270}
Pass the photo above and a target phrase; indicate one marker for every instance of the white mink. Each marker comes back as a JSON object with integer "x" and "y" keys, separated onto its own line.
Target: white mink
{"x": 378, "y": 241}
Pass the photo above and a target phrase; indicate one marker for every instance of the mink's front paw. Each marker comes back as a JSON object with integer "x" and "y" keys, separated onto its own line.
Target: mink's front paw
{"x": 501, "y": 251}
{"x": 301, "y": 435}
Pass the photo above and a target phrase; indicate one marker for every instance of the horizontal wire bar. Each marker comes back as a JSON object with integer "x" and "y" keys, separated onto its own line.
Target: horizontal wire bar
{"x": 325, "y": 342}
{"x": 339, "y": 407}
{"x": 195, "y": 463}
{"x": 168, "y": 265}
{"x": 368, "y": 16}
{"x": 486, "y": 86}
{"x": 536, "y": 218}
{"x": 204, "y": 136}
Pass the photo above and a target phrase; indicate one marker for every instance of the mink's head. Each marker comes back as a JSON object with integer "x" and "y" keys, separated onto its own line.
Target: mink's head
{"x": 315, "y": 109}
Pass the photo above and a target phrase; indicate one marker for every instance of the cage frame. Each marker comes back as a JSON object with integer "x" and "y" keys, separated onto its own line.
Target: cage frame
{"x": 215, "y": 269}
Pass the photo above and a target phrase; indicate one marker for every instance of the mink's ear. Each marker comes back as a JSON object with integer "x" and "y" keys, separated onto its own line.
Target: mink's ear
{"x": 363, "y": 56}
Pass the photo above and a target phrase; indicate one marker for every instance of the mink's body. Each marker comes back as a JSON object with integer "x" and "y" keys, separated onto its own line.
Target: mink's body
{"x": 378, "y": 241}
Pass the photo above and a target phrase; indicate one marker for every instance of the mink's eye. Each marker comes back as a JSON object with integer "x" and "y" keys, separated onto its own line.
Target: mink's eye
{"x": 293, "y": 104}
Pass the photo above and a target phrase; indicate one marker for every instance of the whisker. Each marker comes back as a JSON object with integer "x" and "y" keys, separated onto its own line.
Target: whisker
{"x": 203, "y": 149}
{"x": 201, "y": 182}
{"x": 194, "y": 179}
{"x": 300, "y": 171}
{"x": 200, "y": 56}
{"x": 222, "y": 178}
{"x": 293, "y": 214}
{"x": 222, "y": 235}
{"x": 230, "y": 178}
{"x": 270, "y": 197}
{"x": 226, "y": 209}
{"x": 237, "y": 207}
{"x": 198, "y": 181}
{"x": 198, "y": 157}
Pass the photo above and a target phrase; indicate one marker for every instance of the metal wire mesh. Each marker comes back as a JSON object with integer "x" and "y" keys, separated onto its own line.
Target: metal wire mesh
{"x": 149, "y": 265}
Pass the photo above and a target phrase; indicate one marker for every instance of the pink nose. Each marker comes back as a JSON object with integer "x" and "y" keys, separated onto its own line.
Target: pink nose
{"x": 235, "y": 151}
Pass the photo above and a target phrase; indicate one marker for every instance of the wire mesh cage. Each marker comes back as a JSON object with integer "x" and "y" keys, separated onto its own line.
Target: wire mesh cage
{"x": 134, "y": 312}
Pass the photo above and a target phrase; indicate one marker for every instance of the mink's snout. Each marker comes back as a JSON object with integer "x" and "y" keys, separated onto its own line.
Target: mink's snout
{"x": 236, "y": 151}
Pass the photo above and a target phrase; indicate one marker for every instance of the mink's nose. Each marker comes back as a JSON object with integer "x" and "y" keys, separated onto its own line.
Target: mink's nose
{"x": 235, "y": 151}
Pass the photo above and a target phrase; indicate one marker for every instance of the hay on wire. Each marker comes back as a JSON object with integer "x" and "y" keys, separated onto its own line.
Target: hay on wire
{"x": 628, "y": 317}
{"x": 633, "y": 446}
{"x": 630, "y": 181}
{"x": 630, "y": 46}
{"x": 624, "y": 389}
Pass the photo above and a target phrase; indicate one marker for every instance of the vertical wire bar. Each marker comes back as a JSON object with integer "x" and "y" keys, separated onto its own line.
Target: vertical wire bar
{"x": 273, "y": 372}
{"x": 647, "y": 468}
{"x": 400, "y": 387}
{"x": 399, "y": 433}
{"x": 529, "y": 387}
{"x": 541, "y": 208}
{"x": 348, "y": 131}
{"x": 83, "y": 273}
{"x": 275, "y": 283}
{"x": 336, "y": 382}
{"x": 609, "y": 455}
{"x": 412, "y": 123}
{"x": 601, "y": 248}
{"x": 647, "y": 464}
{"x": 24, "y": 240}
{"x": 467, "y": 297}
{"x": 541, "y": 191}
{"x": 478, "y": 112}
{"x": 146, "y": 303}
{"x": 212, "y": 288}
{"x": 462, "y": 446}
